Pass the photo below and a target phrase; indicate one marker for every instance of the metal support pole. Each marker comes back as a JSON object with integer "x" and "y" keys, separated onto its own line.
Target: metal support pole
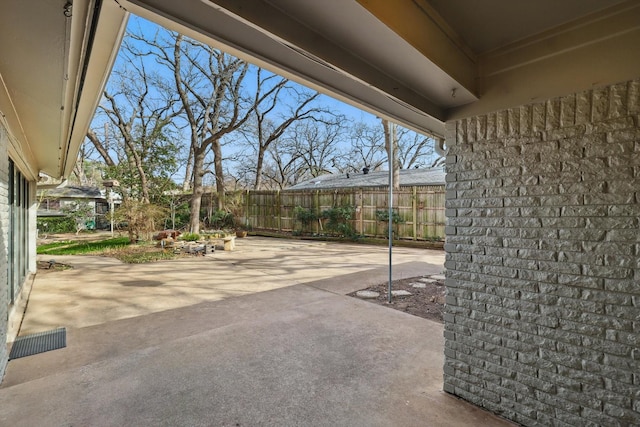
{"x": 111, "y": 209}
{"x": 109, "y": 184}
{"x": 390, "y": 222}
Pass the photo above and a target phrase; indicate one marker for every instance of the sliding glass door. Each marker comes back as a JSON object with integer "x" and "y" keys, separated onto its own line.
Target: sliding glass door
{"x": 18, "y": 244}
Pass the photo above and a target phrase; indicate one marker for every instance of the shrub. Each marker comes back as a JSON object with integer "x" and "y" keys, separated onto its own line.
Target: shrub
{"x": 140, "y": 218}
{"x": 383, "y": 216}
{"x": 54, "y": 225}
{"x": 306, "y": 216}
{"x": 81, "y": 213}
{"x": 220, "y": 219}
{"x": 337, "y": 221}
{"x": 182, "y": 215}
{"x": 190, "y": 237}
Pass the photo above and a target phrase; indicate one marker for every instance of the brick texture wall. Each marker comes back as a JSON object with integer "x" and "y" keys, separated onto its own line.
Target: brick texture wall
{"x": 4, "y": 230}
{"x": 542, "y": 321}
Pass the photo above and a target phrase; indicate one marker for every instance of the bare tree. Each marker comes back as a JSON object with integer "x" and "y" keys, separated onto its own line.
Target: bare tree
{"x": 315, "y": 145}
{"x": 86, "y": 170}
{"x": 210, "y": 87}
{"x": 284, "y": 167}
{"x": 308, "y": 149}
{"x": 367, "y": 148}
{"x": 137, "y": 110}
{"x": 271, "y": 121}
{"x": 208, "y": 84}
{"x": 414, "y": 150}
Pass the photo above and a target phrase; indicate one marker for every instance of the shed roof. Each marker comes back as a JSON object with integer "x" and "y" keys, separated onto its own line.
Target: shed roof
{"x": 408, "y": 177}
{"x": 75, "y": 192}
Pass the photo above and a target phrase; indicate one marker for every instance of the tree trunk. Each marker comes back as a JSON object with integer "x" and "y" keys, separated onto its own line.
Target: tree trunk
{"x": 188, "y": 171}
{"x": 196, "y": 198}
{"x": 259, "y": 165}
{"x": 104, "y": 152}
{"x": 219, "y": 171}
{"x": 144, "y": 182}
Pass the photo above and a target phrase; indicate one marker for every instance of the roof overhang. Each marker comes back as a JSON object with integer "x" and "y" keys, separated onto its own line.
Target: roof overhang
{"x": 56, "y": 58}
{"x": 317, "y": 44}
{"x": 416, "y": 62}
{"x": 422, "y": 62}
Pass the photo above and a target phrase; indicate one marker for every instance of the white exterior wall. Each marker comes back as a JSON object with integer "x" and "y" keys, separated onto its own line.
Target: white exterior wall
{"x": 542, "y": 320}
{"x": 4, "y": 244}
{"x": 11, "y": 312}
{"x": 33, "y": 228}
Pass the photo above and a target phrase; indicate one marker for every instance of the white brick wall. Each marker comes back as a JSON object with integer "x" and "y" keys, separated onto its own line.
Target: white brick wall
{"x": 4, "y": 227}
{"x": 543, "y": 260}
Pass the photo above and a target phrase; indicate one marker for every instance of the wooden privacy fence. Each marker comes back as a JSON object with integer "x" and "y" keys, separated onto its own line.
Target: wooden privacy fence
{"x": 421, "y": 210}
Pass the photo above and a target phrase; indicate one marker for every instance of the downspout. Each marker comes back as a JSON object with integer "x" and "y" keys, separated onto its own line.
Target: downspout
{"x": 440, "y": 148}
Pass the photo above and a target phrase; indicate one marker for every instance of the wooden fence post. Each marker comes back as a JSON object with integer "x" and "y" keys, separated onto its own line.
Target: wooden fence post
{"x": 247, "y": 212}
{"x": 414, "y": 211}
{"x": 361, "y": 204}
{"x": 316, "y": 209}
{"x": 279, "y": 209}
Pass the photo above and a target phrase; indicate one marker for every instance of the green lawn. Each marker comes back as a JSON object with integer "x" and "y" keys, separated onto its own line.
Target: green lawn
{"x": 117, "y": 248}
{"x": 79, "y": 248}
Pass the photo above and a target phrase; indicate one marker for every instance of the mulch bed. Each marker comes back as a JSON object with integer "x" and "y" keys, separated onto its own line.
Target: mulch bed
{"x": 427, "y": 302}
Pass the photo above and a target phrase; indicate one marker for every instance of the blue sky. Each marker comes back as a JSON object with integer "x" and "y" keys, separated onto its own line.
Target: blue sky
{"x": 148, "y": 29}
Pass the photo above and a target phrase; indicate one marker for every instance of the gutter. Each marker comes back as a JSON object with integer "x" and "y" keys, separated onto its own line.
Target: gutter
{"x": 95, "y": 17}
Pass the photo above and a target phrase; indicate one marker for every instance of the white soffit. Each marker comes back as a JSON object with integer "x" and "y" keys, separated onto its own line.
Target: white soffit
{"x": 47, "y": 46}
{"x": 486, "y": 25}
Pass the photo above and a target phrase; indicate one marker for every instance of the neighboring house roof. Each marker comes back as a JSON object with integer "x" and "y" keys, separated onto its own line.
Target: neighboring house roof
{"x": 70, "y": 192}
{"x": 74, "y": 192}
{"x": 408, "y": 177}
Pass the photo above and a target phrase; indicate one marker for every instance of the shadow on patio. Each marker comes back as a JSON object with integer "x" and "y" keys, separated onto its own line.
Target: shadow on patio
{"x": 261, "y": 336}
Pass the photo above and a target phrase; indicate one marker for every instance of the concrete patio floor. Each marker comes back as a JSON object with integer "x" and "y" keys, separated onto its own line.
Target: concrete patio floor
{"x": 262, "y": 336}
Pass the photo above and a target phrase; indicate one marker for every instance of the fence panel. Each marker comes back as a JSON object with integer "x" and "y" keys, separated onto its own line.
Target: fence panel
{"x": 421, "y": 210}
{"x": 430, "y": 208}
{"x": 403, "y": 206}
{"x": 263, "y": 209}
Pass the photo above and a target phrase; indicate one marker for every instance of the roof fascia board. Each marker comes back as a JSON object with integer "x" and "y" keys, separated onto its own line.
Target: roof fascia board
{"x": 276, "y": 23}
{"x": 261, "y": 34}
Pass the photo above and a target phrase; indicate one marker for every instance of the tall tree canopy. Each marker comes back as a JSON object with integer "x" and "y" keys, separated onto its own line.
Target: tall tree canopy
{"x": 134, "y": 131}
{"x": 174, "y": 104}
